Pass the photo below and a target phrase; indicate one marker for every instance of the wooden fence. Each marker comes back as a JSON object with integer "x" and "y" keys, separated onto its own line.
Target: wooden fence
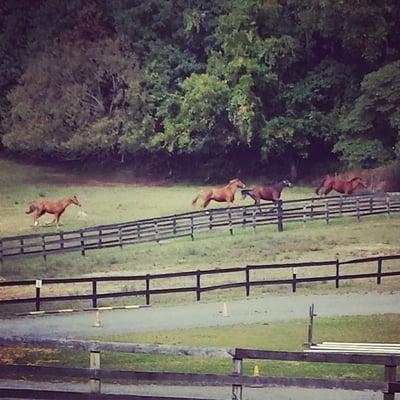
{"x": 237, "y": 380}
{"x": 187, "y": 224}
{"x": 336, "y": 272}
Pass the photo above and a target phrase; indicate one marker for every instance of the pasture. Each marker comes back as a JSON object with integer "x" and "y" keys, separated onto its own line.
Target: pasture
{"x": 113, "y": 201}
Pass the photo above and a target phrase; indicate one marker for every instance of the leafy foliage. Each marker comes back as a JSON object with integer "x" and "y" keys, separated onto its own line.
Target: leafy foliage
{"x": 291, "y": 80}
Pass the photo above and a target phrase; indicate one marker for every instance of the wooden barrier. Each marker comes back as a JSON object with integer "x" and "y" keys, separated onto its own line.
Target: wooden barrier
{"x": 188, "y": 224}
{"x": 339, "y": 274}
{"x": 95, "y": 374}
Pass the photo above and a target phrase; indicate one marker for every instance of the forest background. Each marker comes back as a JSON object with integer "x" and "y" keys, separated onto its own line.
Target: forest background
{"x": 185, "y": 88}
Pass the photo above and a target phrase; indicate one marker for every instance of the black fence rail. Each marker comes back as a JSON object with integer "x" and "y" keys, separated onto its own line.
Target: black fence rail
{"x": 335, "y": 271}
{"x": 238, "y": 381}
{"x": 187, "y": 224}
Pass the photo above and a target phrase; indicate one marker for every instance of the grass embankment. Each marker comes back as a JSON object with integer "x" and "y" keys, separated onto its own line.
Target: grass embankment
{"x": 288, "y": 336}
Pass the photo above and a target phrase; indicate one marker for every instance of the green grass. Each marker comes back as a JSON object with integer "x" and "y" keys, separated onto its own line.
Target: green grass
{"x": 104, "y": 202}
{"x": 283, "y": 336}
{"x": 344, "y": 238}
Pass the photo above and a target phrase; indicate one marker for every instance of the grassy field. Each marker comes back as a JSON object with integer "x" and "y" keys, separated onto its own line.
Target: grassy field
{"x": 288, "y": 336}
{"x": 111, "y": 201}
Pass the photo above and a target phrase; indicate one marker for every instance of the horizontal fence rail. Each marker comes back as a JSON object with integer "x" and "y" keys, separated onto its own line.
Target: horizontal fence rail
{"x": 187, "y": 224}
{"x": 335, "y": 271}
{"x": 236, "y": 379}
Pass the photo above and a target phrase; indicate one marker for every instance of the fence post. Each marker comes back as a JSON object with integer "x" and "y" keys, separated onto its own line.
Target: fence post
{"x": 82, "y": 243}
{"x": 294, "y": 279}
{"x": 38, "y": 285}
{"x": 247, "y": 281}
{"x": 312, "y": 209}
{"x": 95, "y": 383}
{"x": 390, "y": 377}
{"x": 337, "y": 274}
{"x": 237, "y": 370}
{"x": 120, "y": 237}
{"x": 156, "y": 231}
{"x": 21, "y": 246}
{"x": 1, "y": 251}
{"x": 371, "y": 204}
{"x": 100, "y": 241}
{"x": 310, "y": 326}
{"x": 304, "y": 215}
{"x": 379, "y": 272}
{"x": 44, "y": 248}
{"x": 254, "y": 220}
{"x": 327, "y": 211}
{"x": 147, "y": 289}
{"x": 358, "y": 208}
{"x": 230, "y": 221}
{"x": 61, "y": 239}
{"x": 341, "y": 206}
{"x": 198, "y": 289}
{"x": 191, "y": 228}
{"x": 279, "y": 215}
{"x": 210, "y": 217}
{"x": 388, "y": 205}
{"x": 94, "y": 293}
{"x": 139, "y": 236}
{"x": 174, "y": 225}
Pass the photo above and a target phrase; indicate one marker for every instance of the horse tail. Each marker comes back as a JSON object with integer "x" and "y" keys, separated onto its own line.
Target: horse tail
{"x": 245, "y": 192}
{"x": 319, "y": 187}
{"x": 194, "y": 201}
{"x": 31, "y": 209}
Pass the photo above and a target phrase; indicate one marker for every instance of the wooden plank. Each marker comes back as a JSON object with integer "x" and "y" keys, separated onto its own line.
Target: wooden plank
{"x": 117, "y": 347}
{"x": 318, "y": 357}
{"x": 69, "y": 395}
{"x": 180, "y": 377}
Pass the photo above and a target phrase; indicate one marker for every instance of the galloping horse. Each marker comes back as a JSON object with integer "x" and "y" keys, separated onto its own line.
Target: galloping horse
{"x": 272, "y": 193}
{"x": 226, "y": 193}
{"x": 330, "y": 183}
{"x": 52, "y": 207}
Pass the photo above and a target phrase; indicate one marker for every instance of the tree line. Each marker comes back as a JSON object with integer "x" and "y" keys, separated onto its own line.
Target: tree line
{"x": 185, "y": 82}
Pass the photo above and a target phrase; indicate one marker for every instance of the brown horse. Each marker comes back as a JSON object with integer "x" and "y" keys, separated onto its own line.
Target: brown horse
{"x": 226, "y": 193}
{"x": 52, "y": 207}
{"x": 272, "y": 193}
{"x": 347, "y": 187}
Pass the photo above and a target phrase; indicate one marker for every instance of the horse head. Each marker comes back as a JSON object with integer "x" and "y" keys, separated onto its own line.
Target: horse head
{"x": 74, "y": 200}
{"x": 237, "y": 183}
{"x": 287, "y": 183}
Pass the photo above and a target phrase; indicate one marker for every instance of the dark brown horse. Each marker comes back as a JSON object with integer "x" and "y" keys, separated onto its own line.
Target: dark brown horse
{"x": 272, "y": 193}
{"x": 52, "y": 207}
{"x": 226, "y": 193}
{"x": 330, "y": 183}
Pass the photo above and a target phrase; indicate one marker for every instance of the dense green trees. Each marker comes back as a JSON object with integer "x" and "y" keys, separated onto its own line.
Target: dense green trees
{"x": 264, "y": 80}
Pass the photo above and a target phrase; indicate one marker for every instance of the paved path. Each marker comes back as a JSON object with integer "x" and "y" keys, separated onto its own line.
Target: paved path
{"x": 212, "y": 392}
{"x": 268, "y": 309}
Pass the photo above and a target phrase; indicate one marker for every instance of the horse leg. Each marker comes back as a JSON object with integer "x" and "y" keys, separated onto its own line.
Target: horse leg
{"x": 36, "y": 217}
{"x": 206, "y": 202}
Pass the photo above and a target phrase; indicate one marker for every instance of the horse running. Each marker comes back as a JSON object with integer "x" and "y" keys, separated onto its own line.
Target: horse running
{"x": 330, "y": 183}
{"x": 226, "y": 193}
{"x": 272, "y": 193}
{"x": 52, "y": 207}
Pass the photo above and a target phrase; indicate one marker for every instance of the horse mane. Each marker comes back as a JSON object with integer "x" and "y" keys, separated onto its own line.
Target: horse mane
{"x": 355, "y": 178}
